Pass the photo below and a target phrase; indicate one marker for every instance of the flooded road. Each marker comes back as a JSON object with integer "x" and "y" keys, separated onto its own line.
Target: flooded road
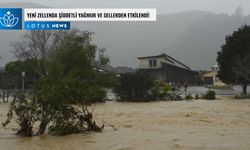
{"x": 232, "y": 91}
{"x": 217, "y": 125}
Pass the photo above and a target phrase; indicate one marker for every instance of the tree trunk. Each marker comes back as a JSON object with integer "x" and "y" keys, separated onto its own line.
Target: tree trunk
{"x": 245, "y": 89}
{"x": 42, "y": 127}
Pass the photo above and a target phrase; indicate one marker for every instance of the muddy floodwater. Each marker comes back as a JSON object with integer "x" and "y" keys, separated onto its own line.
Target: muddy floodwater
{"x": 198, "y": 125}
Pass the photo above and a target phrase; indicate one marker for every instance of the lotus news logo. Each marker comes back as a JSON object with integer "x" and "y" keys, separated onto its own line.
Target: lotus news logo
{"x": 10, "y": 18}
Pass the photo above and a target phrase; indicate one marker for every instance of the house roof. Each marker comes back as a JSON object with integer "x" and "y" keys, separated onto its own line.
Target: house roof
{"x": 107, "y": 68}
{"x": 169, "y": 59}
{"x": 121, "y": 70}
{"x": 156, "y": 56}
{"x": 186, "y": 69}
{"x": 116, "y": 70}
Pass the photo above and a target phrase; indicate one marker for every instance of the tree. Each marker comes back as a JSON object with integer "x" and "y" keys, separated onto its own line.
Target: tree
{"x": 234, "y": 58}
{"x": 14, "y": 70}
{"x": 103, "y": 59}
{"x": 239, "y": 10}
{"x": 38, "y": 45}
{"x": 61, "y": 96}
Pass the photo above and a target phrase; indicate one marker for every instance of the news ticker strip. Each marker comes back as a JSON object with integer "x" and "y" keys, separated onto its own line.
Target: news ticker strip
{"x": 85, "y": 14}
{"x": 60, "y": 18}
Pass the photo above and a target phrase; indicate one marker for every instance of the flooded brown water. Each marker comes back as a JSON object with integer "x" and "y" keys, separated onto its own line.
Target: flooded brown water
{"x": 198, "y": 125}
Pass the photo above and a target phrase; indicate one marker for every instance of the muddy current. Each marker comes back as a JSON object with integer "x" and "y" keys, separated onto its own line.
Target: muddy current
{"x": 221, "y": 124}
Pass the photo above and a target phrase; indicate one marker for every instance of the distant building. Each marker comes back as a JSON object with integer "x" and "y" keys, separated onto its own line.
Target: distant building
{"x": 115, "y": 70}
{"x": 166, "y": 68}
{"x": 211, "y": 77}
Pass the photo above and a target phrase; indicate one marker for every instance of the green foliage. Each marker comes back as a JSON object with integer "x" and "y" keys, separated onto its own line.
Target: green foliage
{"x": 242, "y": 96}
{"x": 160, "y": 90}
{"x": 71, "y": 120}
{"x": 210, "y": 95}
{"x": 165, "y": 88}
{"x": 16, "y": 67}
{"x": 103, "y": 59}
{"x": 196, "y": 97}
{"x": 107, "y": 80}
{"x": 14, "y": 70}
{"x": 139, "y": 87}
{"x": 134, "y": 87}
{"x": 69, "y": 80}
{"x": 58, "y": 119}
{"x": 172, "y": 96}
{"x": 234, "y": 58}
{"x": 24, "y": 109}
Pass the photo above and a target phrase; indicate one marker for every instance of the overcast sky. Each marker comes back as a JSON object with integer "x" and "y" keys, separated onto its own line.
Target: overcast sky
{"x": 163, "y": 6}
{"x": 119, "y": 51}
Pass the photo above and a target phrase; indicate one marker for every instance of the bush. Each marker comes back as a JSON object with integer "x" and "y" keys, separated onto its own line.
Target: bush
{"x": 197, "y": 97}
{"x": 59, "y": 119}
{"x": 242, "y": 96}
{"x": 210, "y": 95}
{"x": 165, "y": 88}
{"x": 160, "y": 90}
{"x": 140, "y": 87}
{"x": 189, "y": 97}
{"x": 172, "y": 96}
{"x": 134, "y": 87}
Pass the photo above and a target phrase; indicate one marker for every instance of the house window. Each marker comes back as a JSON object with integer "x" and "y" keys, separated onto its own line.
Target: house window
{"x": 152, "y": 63}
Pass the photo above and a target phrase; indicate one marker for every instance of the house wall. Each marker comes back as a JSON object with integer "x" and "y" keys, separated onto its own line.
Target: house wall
{"x": 208, "y": 80}
{"x": 211, "y": 78}
{"x": 157, "y": 74}
{"x": 170, "y": 73}
{"x": 144, "y": 63}
{"x": 169, "y": 70}
{"x": 181, "y": 75}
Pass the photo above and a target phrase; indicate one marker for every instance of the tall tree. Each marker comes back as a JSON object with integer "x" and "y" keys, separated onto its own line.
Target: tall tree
{"x": 14, "y": 70}
{"x": 38, "y": 45}
{"x": 103, "y": 59}
{"x": 69, "y": 79}
{"x": 234, "y": 58}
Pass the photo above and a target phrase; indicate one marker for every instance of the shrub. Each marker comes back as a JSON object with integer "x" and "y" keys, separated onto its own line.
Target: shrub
{"x": 197, "y": 97}
{"x": 134, "y": 87}
{"x": 172, "y": 96}
{"x": 210, "y": 95}
{"x": 189, "y": 97}
{"x": 160, "y": 90}
{"x": 165, "y": 88}
{"x": 140, "y": 87}
{"x": 242, "y": 96}
{"x": 59, "y": 119}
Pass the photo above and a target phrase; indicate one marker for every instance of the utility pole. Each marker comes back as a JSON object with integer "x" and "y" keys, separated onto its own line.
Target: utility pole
{"x": 23, "y": 75}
